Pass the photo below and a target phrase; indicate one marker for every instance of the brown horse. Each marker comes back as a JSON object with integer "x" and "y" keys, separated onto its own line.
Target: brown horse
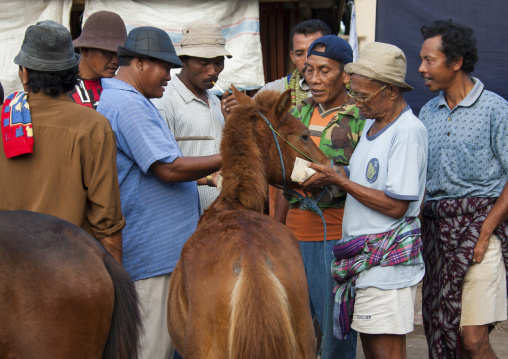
{"x": 239, "y": 289}
{"x": 62, "y": 294}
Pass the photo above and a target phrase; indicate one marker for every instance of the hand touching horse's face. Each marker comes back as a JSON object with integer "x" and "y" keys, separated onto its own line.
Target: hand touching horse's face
{"x": 293, "y": 132}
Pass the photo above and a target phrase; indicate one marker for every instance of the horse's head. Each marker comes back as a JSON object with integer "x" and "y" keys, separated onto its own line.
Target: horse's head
{"x": 275, "y": 107}
{"x": 249, "y": 151}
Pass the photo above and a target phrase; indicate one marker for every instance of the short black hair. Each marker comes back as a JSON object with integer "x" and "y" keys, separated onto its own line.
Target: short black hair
{"x": 1, "y": 94}
{"x": 309, "y": 27}
{"x": 456, "y": 41}
{"x": 52, "y": 83}
{"x": 125, "y": 60}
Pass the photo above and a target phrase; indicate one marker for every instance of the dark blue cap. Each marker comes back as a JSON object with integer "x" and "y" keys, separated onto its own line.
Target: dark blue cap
{"x": 336, "y": 48}
{"x": 147, "y": 41}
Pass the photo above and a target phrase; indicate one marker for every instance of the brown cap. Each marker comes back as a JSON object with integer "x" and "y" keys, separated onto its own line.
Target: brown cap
{"x": 103, "y": 30}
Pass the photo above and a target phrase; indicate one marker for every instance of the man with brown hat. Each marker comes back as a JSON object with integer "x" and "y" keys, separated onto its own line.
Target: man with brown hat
{"x": 103, "y": 32}
{"x": 157, "y": 183}
{"x": 58, "y": 158}
{"x": 194, "y": 115}
{"x": 378, "y": 262}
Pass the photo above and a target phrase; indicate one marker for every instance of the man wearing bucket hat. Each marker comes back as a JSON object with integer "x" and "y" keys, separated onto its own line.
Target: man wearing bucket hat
{"x": 336, "y": 125}
{"x": 58, "y": 158}
{"x": 378, "y": 262}
{"x": 157, "y": 184}
{"x": 103, "y": 32}
{"x": 466, "y": 204}
{"x": 195, "y": 115}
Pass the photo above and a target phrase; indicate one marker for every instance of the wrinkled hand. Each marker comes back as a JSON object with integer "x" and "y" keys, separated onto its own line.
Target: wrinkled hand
{"x": 228, "y": 102}
{"x": 325, "y": 175}
{"x": 481, "y": 247}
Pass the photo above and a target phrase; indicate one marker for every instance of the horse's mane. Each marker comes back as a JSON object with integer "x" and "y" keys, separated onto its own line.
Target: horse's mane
{"x": 244, "y": 161}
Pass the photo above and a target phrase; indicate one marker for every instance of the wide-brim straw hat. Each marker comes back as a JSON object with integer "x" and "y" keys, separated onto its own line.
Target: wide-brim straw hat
{"x": 151, "y": 42}
{"x": 382, "y": 62}
{"x": 104, "y": 30}
{"x": 47, "y": 47}
{"x": 203, "y": 39}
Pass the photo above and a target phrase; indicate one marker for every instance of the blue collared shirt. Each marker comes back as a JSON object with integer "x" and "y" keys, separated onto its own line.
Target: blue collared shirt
{"x": 468, "y": 146}
{"x": 160, "y": 216}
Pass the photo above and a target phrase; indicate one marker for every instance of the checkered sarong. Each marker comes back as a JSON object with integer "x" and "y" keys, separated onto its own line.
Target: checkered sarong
{"x": 401, "y": 245}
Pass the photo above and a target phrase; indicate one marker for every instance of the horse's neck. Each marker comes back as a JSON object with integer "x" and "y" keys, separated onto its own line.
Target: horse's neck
{"x": 243, "y": 170}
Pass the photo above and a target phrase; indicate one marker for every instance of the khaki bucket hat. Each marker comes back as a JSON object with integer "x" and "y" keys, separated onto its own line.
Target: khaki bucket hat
{"x": 104, "y": 30}
{"x": 203, "y": 39}
{"x": 382, "y": 62}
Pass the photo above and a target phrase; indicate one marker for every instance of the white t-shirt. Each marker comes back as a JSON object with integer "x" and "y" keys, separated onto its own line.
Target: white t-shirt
{"x": 394, "y": 161}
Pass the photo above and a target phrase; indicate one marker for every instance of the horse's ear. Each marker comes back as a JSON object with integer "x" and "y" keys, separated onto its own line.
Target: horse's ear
{"x": 240, "y": 97}
{"x": 283, "y": 104}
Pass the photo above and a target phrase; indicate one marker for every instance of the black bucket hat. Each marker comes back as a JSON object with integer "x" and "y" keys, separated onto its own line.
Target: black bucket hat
{"x": 47, "y": 46}
{"x": 147, "y": 41}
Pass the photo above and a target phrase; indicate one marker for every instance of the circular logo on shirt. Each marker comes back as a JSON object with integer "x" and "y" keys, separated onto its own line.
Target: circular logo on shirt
{"x": 372, "y": 170}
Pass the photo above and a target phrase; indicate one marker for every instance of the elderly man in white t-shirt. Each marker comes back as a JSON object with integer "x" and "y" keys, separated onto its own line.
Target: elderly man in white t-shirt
{"x": 194, "y": 115}
{"x": 378, "y": 261}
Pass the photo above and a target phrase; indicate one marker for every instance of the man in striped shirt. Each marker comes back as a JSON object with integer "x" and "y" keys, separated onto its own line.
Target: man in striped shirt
{"x": 194, "y": 115}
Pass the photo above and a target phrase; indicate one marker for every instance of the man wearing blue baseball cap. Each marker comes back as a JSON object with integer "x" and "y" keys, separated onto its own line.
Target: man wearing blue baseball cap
{"x": 335, "y": 126}
{"x": 157, "y": 184}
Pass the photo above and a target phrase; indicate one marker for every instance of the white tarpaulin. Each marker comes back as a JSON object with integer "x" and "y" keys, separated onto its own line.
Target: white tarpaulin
{"x": 15, "y": 17}
{"x": 239, "y": 20}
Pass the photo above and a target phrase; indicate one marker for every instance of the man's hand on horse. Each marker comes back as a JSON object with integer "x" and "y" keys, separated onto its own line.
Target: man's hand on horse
{"x": 324, "y": 176}
{"x": 228, "y": 102}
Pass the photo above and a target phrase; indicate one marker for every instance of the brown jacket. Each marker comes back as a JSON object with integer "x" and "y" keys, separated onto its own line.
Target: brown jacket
{"x": 72, "y": 173}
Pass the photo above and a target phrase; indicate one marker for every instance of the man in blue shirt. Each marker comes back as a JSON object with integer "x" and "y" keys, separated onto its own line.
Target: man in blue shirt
{"x": 466, "y": 204}
{"x": 158, "y": 187}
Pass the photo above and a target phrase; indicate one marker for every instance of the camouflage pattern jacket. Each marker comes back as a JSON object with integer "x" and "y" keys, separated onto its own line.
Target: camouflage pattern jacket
{"x": 338, "y": 139}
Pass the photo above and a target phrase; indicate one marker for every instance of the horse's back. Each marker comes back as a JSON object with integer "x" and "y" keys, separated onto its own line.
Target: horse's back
{"x": 54, "y": 289}
{"x": 253, "y": 289}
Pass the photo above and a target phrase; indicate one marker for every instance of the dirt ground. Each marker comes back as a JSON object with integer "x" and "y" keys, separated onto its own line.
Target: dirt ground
{"x": 417, "y": 345}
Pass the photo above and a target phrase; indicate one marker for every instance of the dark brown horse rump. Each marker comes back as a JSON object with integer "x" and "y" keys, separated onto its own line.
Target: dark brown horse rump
{"x": 63, "y": 295}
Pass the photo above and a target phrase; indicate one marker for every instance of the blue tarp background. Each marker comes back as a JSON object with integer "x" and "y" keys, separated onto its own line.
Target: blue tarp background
{"x": 398, "y": 22}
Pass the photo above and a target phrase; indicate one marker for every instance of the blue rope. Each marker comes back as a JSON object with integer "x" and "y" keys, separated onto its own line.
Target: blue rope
{"x": 306, "y": 203}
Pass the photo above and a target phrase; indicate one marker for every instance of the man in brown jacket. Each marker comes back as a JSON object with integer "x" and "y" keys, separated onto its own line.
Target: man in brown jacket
{"x": 56, "y": 157}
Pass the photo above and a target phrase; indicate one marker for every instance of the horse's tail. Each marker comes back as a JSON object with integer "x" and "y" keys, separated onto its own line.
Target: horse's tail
{"x": 261, "y": 322}
{"x": 123, "y": 336}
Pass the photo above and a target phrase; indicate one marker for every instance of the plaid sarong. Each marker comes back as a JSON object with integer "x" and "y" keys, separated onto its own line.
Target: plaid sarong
{"x": 401, "y": 245}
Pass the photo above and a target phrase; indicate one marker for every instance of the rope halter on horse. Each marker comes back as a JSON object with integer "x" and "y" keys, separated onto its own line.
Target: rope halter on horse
{"x": 305, "y": 203}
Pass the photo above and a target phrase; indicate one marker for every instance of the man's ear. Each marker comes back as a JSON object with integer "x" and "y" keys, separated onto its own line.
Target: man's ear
{"x": 347, "y": 78}
{"x": 457, "y": 64}
{"x": 140, "y": 63}
{"x": 83, "y": 51}
{"x": 23, "y": 76}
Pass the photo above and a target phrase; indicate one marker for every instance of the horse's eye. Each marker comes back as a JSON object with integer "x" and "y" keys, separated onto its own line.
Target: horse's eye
{"x": 304, "y": 138}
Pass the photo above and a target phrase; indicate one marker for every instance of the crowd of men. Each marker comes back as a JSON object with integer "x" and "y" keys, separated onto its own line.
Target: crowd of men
{"x": 109, "y": 141}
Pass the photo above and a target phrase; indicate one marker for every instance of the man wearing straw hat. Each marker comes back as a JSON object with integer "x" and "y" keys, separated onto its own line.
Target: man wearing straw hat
{"x": 103, "y": 32}
{"x": 378, "y": 262}
{"x": 157, "y": 184}
{"x": 194, "y": 115}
